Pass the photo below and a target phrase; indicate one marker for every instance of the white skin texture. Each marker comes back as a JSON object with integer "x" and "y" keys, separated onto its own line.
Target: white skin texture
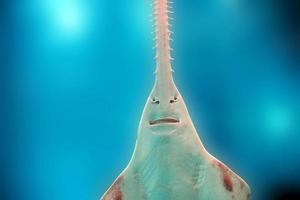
{"x": 169, "y": 161}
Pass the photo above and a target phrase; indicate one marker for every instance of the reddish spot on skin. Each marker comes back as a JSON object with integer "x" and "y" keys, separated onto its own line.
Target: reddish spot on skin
{"x": 242, "y": 184}
{"x": 115, "y": 192}
{"x": 227, "y": 182}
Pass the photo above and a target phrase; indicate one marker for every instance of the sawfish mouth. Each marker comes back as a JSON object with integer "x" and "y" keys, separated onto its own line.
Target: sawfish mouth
{"x": 168, "y": 120}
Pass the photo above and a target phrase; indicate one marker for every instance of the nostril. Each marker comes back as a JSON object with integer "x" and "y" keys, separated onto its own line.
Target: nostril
{"x": 155, "y": 101}
{"x": 173, "y": 100}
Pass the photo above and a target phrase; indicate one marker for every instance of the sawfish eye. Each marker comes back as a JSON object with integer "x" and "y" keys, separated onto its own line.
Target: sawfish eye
{"x": 174, "y": 100}
{"x": 154, "y": 101}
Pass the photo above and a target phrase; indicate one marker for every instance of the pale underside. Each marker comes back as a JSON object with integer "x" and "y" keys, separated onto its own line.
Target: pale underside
{"x": 169, "y": 161}
{"x": 195, "y": 178}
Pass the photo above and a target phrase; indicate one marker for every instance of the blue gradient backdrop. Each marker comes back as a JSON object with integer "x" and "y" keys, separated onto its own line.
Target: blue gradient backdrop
{"x": 75, "y": 75}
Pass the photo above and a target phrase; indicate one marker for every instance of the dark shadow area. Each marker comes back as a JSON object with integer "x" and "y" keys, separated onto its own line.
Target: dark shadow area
{"x": 290, "y": 11}
{"x": 285, "y": 192}
{"x": 289, "y": 16}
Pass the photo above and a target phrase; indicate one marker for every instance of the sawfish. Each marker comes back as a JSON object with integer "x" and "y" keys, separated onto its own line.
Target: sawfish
{"x": 169, "y": 160}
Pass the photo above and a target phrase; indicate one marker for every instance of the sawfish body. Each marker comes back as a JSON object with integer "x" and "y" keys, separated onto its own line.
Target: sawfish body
{"x": 169, "y": 161}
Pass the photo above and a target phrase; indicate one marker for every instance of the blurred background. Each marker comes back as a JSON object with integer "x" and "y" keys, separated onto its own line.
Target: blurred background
{"x": 75, "y": 74}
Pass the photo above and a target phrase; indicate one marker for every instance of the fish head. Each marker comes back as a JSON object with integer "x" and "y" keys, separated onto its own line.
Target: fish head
{"x": 165, "y": 112}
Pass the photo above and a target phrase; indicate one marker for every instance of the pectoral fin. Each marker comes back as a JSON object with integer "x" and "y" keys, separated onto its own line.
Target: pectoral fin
{"x": 225, "y": 184}
{"x": 115, "y": 190}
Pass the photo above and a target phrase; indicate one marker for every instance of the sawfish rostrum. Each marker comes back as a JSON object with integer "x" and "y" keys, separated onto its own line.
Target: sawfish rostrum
{"x": 169, "y": 161}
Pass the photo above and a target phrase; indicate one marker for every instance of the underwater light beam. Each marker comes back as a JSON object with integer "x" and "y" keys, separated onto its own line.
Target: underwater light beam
{"x": 70, "y": 18}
